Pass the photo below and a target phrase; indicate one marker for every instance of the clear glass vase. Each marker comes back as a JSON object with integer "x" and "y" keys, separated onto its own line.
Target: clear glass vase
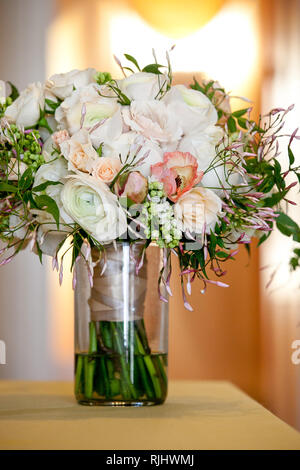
{"x": 121, "y": 329}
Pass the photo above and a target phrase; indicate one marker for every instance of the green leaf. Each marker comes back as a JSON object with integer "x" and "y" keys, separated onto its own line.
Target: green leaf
{"x": 8, "y": 188}
{"x": 240, "y": 113}
{"x": 152, "y": 68}
{"x": 14, "y": 92}
{"x": 274, "y": 199}
{"x": 291, "y": 156}
{"x": 26, "y": 180}
{"x": 243, "y": 123}
{"x": 44, "y": 123}
{"x": 200, "y": 257}
{"x": 286, "y": 225}
{"x": 100, "y": 150}
{"x": 53, "y": 105}
{"x": 39, "y": 251}
{"x": 43, "y": 186}
{"x": 47, "y": 203}
{"x": 133, "y": 60}
{"x": 197, "y": 86}
{"x": 222, "y": 254}
{"x": 231, "y": 124}
{"x": 212, "y": 245}
{"x": 263, "y": 238}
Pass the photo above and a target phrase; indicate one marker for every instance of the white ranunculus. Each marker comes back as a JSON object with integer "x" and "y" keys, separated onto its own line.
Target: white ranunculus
{"x": 25, "y": 110}
{"x": 85, "y": 106}
{"x": 94, "y": 207}
{"x": 62, "y": 85}
{"x": 193, "y": 109}
{"x": 142, "y": 85}
{"x": 2, "y": 92}
{"x": 198, "y": 210}
{"x": 154, "y": 120}
{"x": 79, "y": 152}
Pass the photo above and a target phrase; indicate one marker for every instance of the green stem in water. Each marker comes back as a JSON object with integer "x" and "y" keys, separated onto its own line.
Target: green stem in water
{"x": 150, "y": 366}
{"x": 119, "y": 349}
{"x": 89, "y": 364}
{"x": 79, "y": 369}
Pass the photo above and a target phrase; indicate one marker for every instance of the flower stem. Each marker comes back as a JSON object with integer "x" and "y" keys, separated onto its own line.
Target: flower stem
{"x": 89, "y": 364}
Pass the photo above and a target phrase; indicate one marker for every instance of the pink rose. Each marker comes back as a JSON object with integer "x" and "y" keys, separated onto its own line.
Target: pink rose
{"x": 107, "y": 168}
{"x": 178, "y": 173}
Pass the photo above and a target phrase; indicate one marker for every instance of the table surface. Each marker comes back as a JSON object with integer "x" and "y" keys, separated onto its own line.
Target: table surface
{"x": 197, "y": 415}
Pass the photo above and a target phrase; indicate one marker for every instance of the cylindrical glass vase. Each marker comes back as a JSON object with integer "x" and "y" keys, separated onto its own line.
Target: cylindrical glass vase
{"x": 121, "y": 329}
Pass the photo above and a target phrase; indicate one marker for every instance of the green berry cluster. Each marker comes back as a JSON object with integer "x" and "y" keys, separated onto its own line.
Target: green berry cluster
{"x": 25, "y": 145}
{"x": 158, "y": 216}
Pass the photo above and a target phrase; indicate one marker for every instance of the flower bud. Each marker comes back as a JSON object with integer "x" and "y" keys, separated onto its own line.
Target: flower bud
{"x": 134, "y": 185}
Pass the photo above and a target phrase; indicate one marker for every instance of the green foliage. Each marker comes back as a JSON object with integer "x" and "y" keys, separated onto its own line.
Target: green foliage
{"x": 288, "y": 226}
{"x": 47, "y": 203}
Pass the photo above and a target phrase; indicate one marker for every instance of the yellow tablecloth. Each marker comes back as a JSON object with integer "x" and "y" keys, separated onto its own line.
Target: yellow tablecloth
{"x": 197, "y": 415}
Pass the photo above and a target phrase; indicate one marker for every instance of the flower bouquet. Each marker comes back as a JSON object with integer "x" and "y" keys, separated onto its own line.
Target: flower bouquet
{"x": 106, "y": 169}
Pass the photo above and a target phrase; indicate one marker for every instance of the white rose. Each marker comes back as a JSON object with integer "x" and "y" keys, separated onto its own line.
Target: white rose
{"x": 79, "y": 152}
{"x": 85, "y": 106}
{"x": 2, "y": 92}
{"x": 25, "y": 110}
{"x": 54, "y": 171}
{"x": 220, "y": 176}
{"x": 44, "y": 133}
{"x": 154, "y": 120}
{"x": 94, "y": 207}
{"x": 198, "y": 210}
{"x": 62, "y": 85}
{"x": 48, "y": 149}
{"x": 152, "y": 152}
{"x": 193, "y": 109}
{"x": 131, "y": 145}
{"x": 202, "y": 145}
{"x": 120, "y": 147}
{"x": 142, "y": 85}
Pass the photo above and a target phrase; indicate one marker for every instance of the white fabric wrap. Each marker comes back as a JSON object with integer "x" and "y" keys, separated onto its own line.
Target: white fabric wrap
{"x": 118, "y": 294}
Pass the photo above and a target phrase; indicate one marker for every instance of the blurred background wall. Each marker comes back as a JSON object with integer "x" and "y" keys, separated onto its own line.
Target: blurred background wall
{"x": 242, "y": 334}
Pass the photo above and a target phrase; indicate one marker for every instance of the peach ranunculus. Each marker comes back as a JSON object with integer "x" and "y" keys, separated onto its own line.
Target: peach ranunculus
{"x": 60, "y": 136}
{"x": 178, "y": 172}
{"x": 197, "y": 211}
{"x": 106, "y": 169}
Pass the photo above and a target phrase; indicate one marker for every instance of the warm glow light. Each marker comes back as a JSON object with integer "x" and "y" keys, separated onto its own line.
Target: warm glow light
{"x": 173, "y": 18}
{"x": 225, "y": 49}
{"x": 64, "y": 45}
